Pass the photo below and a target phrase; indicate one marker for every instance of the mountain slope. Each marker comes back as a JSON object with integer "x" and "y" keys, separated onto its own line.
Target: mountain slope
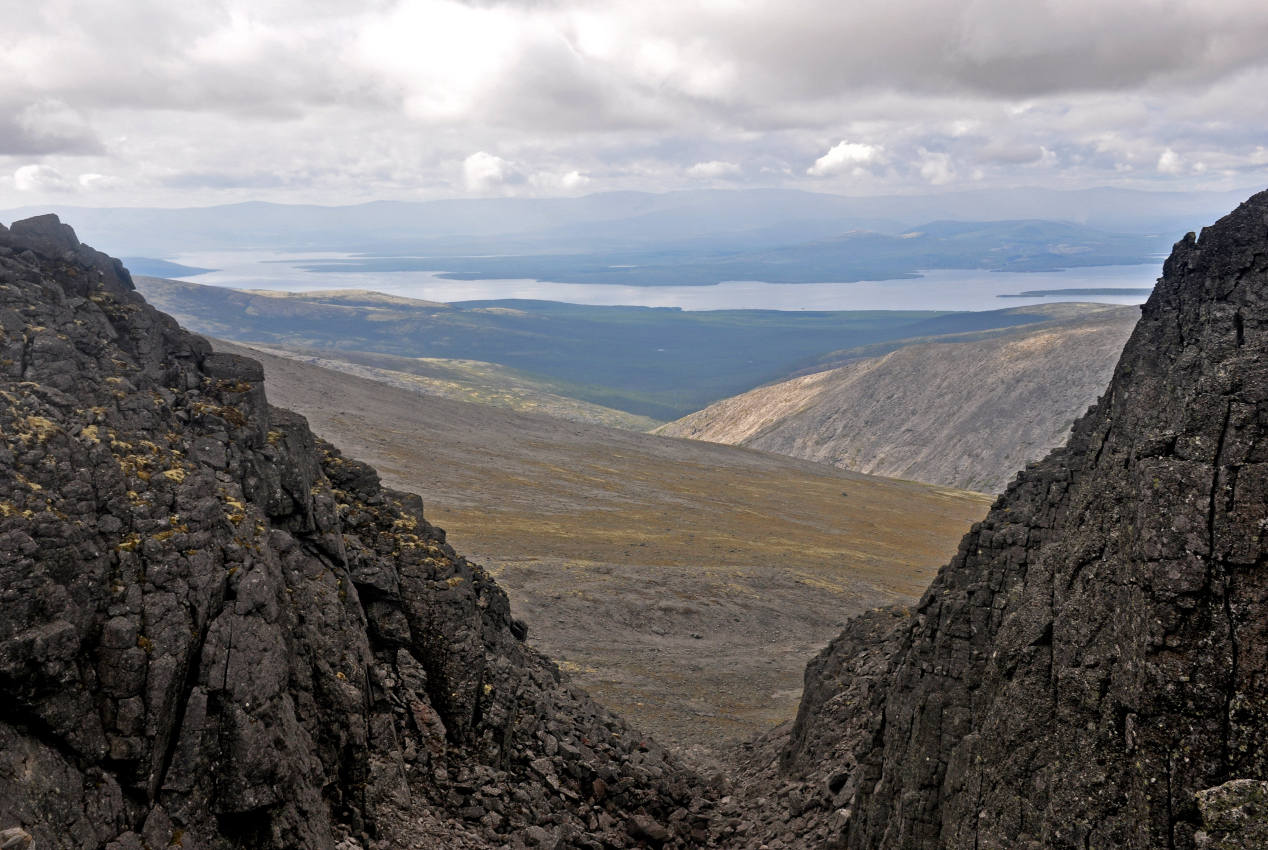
{"x": 218, "y": 632}
{"x": 961, "y": 414}
{"x": 466, "y": 380}
{"x": 656, "y": 362}
{"x": 683, "y": 583}
{"x": 1092, "y": 663}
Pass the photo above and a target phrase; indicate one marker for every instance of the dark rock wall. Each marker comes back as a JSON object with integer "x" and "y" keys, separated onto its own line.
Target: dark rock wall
{"x": 216, "y": 631}
{"x": 1096, "y": 652}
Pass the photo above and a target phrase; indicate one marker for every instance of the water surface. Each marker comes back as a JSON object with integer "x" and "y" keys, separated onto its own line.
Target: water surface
{"x": 938, "y": 289}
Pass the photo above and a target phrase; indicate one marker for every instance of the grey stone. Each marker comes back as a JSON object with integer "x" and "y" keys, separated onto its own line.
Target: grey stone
{"x": 46, "y": 234}
{"x": 1093, "y": 656}
{"x": 217, "y": 631}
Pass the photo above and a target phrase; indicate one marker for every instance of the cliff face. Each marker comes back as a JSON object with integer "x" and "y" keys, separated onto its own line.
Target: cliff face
{"x": 216, "y": 631}
{"x": 959, "y": 414}
{"x": 1097, "y": 652}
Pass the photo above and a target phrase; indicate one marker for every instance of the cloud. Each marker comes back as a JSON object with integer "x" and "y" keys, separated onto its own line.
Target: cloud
{"x": 936, "y": 167}
{"x": 845, "y": 156}
{"x": 93, "y": 182}
{"x": 713, "y": 169}
{"x": 1012, "y": 154}
{"x": 996, "y": 48}
{"x": 45, "y": 127}
{"x": 482, "y": 172}
{"x": 234, "y": 178}
{"x": 319, "y": 101}
{"x": 552, "y": 181}
{"x": 1169, "y": 162}
{"x": 574, "y": 180}
{"x": 40, "y": 178}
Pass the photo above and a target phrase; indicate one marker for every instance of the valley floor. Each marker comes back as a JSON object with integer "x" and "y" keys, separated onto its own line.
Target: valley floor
{"x": 684, "y": 584}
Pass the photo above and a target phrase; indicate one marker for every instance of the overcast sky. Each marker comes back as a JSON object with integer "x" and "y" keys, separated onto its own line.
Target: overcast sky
{"x": 188, "y": 103}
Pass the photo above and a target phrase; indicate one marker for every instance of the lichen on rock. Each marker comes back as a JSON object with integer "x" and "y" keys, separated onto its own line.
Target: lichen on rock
{"x": 1234, "y": 815}
{"x": 217, "y": 631}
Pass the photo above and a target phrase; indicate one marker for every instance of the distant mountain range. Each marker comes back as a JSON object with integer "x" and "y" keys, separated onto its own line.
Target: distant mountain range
{"x": 1016, "y": 246}
{"x": 697, "y": 220}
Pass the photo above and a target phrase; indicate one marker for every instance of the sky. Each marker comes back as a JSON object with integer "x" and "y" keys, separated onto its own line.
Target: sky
{"x": 150, "y": 102}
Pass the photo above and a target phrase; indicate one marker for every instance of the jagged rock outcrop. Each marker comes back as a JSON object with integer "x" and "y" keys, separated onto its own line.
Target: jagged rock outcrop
{"x": 1097, "y": 653}
{"x": 216, "y": 631}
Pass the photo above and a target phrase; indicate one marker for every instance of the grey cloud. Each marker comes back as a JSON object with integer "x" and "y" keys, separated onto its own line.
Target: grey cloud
{"x": 17, "y": 140}
{"x": 998, "y": 48}
{"x": 145, "y": 54}
{"x": 227, "y": 180}
{"x": 1018, "y": 154}
{"x": 807, "y": 51}
{"x": 41, "y": 128}
{"x": 552, "y": 91}
{"x": 513, "y": 4}
{"x": 950, "y": 91}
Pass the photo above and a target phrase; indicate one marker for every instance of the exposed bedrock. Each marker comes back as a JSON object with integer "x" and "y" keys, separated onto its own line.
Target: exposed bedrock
{"x": 216, "y": 631}
{"x": 1096, "y": 654}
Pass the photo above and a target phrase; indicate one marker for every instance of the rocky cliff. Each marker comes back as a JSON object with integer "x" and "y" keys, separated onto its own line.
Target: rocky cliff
{"x": 1091, "y": 670}
{"x": 216, "y": 631}
{"x": 959, "y": 413}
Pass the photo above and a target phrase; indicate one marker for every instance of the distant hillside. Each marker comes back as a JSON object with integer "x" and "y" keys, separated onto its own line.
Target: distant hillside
{"x": 656, "y": 362}
{"x": 161, "y": 268}
{"x": 466, "y": 380}
{"x": 702, "y": 219}
{"x": 960, "y": 413}
{"x": 1089, "y": 670}
{"x": 218, "y": 631}
{"x": 658, "y": 572}
{"x": 846, "y": 255}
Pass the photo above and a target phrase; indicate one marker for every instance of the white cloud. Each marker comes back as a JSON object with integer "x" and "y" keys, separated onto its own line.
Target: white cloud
{"x": 713, "y": 169}
{"x": 1169, "y": 162}
{"x": 553, "y": 181}
{"x": 319, "y": 100}
{"x": 98, "y": 182}
{"x": 482, "y": 172}
{"x": 40, "y": 178}
{"x": 936, "y": 167}
{"x": 845, "y": 156}
{"x": 445, "y": 59}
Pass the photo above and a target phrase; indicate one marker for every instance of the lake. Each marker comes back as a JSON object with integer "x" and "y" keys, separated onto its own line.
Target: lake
{"x": 938, "y": 289}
